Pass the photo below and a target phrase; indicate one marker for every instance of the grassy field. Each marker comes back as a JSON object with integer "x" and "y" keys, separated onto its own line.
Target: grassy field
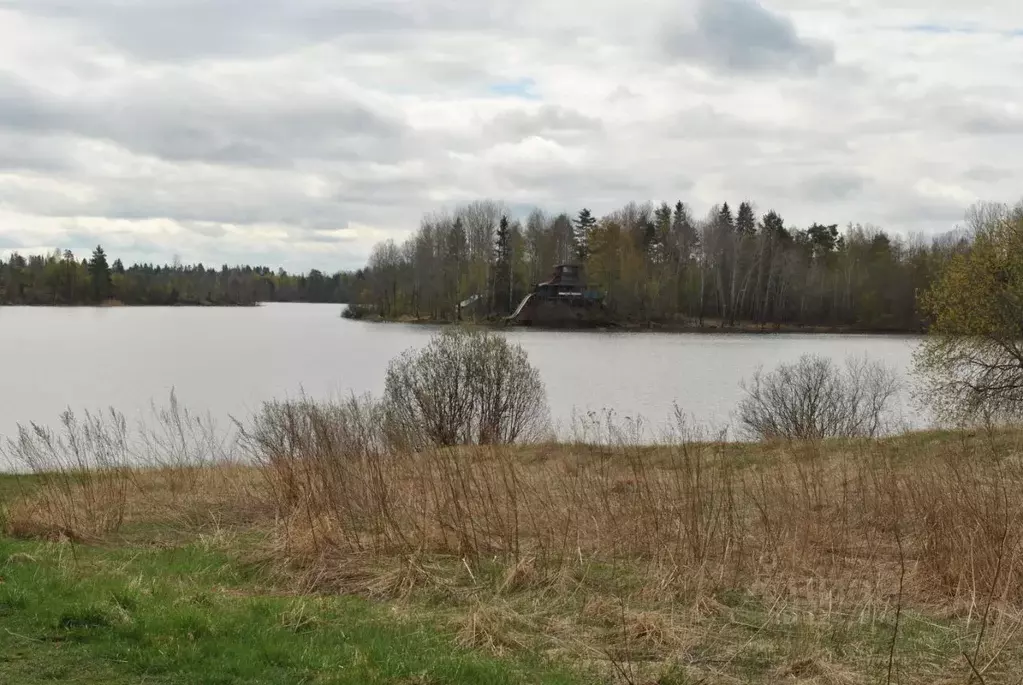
{"x": 191, "y": 612}
{"x": 328, "y": 560}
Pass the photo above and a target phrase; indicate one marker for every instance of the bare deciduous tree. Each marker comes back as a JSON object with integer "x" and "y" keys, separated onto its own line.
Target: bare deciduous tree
{"x": 971, "y": 363}
{"x": 815, "y": 399}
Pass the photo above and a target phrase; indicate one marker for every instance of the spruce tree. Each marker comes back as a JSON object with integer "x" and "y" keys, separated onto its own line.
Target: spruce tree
{"x": 725, "y": 217}
{"x": 455, "y": 261}
{"x": 502, "y": 271}
{"x": 684, "y": 230}
{"x": 662, "y": 230}
{"x": 99, "y": 272}
{"x": 583, "y": 226}
{"x": 746, "y": 221}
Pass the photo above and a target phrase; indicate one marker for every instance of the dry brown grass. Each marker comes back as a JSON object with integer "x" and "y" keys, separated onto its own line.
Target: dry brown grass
{"x": 651, "y": 556}
{"x": 95, "y": 475}
{"x": 895, "y": 560}
{"x": 228, "y": 496}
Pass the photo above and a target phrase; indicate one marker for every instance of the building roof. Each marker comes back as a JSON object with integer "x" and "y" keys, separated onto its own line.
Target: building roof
{"x": 565, "y": 274}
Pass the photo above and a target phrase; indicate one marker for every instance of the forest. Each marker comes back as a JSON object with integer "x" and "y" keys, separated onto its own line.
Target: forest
{"x": 660, "y": 265}
{"x": 60, "y": 278}
{"x": 656, "y": 265}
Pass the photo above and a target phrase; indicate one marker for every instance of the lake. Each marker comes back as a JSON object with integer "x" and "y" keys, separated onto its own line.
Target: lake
{"x": 228, "y": 360}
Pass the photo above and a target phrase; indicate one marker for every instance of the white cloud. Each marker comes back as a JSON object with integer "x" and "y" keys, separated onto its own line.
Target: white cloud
{"x": 299, "y": 132}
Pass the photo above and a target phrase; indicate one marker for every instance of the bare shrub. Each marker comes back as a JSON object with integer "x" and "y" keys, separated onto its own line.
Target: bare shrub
{"x": 305, "y": 450}
{"x": 465, "y": 387}
{"x": 814, "y": 399}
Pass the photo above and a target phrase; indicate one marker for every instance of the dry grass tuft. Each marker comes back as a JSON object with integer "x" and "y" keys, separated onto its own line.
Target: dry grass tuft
{"x": 495, "y": 627}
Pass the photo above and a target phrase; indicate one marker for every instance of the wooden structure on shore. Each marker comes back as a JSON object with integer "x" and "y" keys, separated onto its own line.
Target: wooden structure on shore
{"x": 563, "y": 300}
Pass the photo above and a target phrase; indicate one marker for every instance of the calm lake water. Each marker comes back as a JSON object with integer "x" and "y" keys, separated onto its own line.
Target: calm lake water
{"x": 226, "y": 361}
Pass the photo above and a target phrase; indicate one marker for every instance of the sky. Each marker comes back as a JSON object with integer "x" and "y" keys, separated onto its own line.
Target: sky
{"x": 298, "y": 133}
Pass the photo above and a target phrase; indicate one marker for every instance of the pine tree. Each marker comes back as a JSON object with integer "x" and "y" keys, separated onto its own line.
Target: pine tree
{"x": 70, "y": 268}
{"x": 99, "y": 271}
{"x": 823, "y": 239}
{"x": 774, "y": 226}
{"x": 583, "y": 226}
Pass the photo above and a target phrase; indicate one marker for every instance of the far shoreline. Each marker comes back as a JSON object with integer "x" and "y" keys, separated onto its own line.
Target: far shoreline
{"x": 628, "y": 327}
{"x": 121, "y": 305}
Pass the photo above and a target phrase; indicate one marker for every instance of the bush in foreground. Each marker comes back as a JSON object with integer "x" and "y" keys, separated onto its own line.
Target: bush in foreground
{"x": 814, "y": 399}
{"x": 465, "y": 387}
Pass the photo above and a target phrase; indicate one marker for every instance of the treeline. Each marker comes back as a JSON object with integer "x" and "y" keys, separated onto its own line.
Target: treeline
{"x": 62, "y": 279}
{"x": 660, "y": 264}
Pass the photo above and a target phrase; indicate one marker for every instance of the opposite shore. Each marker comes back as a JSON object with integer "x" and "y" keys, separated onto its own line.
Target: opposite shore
{"x": 710, "y": 327}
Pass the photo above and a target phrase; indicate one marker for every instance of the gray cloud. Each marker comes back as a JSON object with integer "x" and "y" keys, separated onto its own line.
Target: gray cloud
{"x": 833, "y": 185}
{"x": 599, "y": 189}
{"x": 21, "y": 152}
{"x": 926, "y": 215}
{"x": 707, "y": 122}
{"x": 194, "y": 202}
{"x": 205, "y": 228}
{"x": 22, "y": 106}
{"x": 987, "y": 174}
{"x": 743, "y": 36}
{"x": 180, "y": 118}
{"x": 81, "y": 241}
{"x": 191, "y": 29}
{"x": 378, "y": 196}
{"x": 992, "y": 122}
{"x": 548, "y": 121}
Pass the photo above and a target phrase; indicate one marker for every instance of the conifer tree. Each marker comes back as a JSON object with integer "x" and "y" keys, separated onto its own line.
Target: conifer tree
{"x": 584, "y": 225}
{"x": 99, "y": 273}
{"x": 502, "y": 269}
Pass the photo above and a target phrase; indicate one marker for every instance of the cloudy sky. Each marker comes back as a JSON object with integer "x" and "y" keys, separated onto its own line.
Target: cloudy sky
{"x": 300, "y": 132}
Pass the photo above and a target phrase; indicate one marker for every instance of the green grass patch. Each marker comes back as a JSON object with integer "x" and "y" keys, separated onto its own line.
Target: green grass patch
{"x": 192, "y": 615}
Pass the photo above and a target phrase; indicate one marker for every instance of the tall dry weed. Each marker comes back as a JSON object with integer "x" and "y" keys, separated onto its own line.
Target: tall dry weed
{"x": 93, "y": 473}
{"x": 82, "y": 474}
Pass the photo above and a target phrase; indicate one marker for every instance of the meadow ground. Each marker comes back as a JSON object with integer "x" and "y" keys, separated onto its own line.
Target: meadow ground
{"x": 325, "y": 559}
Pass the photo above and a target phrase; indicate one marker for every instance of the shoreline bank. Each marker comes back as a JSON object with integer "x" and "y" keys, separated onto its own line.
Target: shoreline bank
{"x": 632, "y": 327}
